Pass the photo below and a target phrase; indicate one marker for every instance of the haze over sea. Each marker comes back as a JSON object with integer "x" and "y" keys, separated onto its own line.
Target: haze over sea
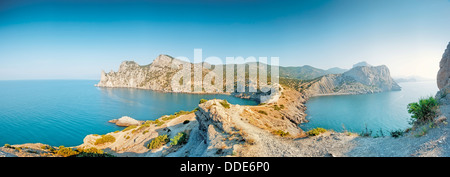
{"x": 63, "y": 112}
{"x": 386, "y": 111}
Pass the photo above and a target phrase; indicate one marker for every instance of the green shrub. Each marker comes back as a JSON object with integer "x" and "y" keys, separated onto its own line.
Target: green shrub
{"x": 66, "y": 151}
{"x": 159, "y": 123}
{"x": 423, "y": 111}
{"x": 129, "y": 128}
{"x": 366, "y": 132}
{"x": 85, "y": 154}
{"x": 158, "y": 142}
{"x": 262, "y": 112}
{"x": 180, "y": 138}
{"x": 105, "y": 139}
{"x": 177, "y": 114}
{"x": 380, "y": 133}
{"x": 202, "y": 101}
{"x": 225, "y": 104}
{"x": 50, "y": 148}
{"x": 281, "y": 133}
{"x": 276, "y": 107}
{"x": 90, "y": 152}
{"x": 316, "y": 131}
{"x": 7, "y": 146}
{"x": 397, "y": 133}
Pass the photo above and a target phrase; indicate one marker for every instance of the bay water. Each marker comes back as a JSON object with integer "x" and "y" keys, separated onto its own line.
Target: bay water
{"x": 63, "y": 112}
{"x": 385, "y": 111}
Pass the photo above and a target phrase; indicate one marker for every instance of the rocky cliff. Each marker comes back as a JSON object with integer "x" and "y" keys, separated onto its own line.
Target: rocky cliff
{"x": 155, "y": 76}
{"x": 163, "y": 72}
{"x": 443, "y": 78}
{"x": 358, "y": 80}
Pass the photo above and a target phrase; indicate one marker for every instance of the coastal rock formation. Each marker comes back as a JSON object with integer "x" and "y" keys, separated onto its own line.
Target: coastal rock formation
{"x": 164, "y": 74}
{"x": 443, "y": 76}
{"x": 358, "y": 80}
{"x": 156, "y": 76}
{"x": 125, "y": 121}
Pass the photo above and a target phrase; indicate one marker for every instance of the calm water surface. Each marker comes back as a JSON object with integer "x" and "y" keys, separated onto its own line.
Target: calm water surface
{"x": 64, "y": 112}
{"x": 386, "y": 111}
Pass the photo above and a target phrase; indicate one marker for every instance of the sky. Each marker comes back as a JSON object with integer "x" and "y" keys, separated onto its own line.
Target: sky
{"x": 67, "y": 39}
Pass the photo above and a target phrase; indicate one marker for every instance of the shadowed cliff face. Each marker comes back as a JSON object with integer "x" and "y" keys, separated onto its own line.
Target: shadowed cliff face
{"x": 443, "y": 77}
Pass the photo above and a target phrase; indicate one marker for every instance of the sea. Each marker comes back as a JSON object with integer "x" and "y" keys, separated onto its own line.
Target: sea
{"x": 63, "y": 112}
{"x": 379, "y": 112}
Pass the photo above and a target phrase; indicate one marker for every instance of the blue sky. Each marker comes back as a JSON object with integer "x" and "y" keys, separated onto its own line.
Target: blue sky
{"x": 44, "y": 39}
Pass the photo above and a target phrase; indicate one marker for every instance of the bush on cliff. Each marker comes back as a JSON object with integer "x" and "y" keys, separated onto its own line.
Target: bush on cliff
{"x": 180, "y": 138}
{"x": 225, "y": 104}
{"x": 158, "y": 142}
{"x": 262, "y": 112}
{"x": 202, "y": 101}
{"x": 66, "y": 151}
{"x": 91, "y": 152}
{"x": 397, "y": 133}
{"x": 105, "y": 139}
{"x": 281, "y": 133}
{"x": 423, "y": 111}
{"x": 316, "y": 131}
{"x": 81, "y": 152}
{"x": 129, "y": 128}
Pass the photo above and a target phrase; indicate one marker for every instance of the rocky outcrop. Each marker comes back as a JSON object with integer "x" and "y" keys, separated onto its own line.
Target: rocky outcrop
{"x": 443, "y": 78}
{"x": 358, "y": 80}
{"x": 156, "y": 76}
{"x": 125, "y": 121}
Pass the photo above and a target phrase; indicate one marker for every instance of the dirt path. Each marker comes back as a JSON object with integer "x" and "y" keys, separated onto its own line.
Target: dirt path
{"x": 269, "y": 145}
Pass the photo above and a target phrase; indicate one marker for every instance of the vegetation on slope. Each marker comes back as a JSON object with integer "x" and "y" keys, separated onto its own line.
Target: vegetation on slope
{"x": 423, "y": 111}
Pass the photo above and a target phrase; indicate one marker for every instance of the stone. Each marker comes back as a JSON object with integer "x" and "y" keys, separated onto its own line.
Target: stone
{"x": 125, "y": 121}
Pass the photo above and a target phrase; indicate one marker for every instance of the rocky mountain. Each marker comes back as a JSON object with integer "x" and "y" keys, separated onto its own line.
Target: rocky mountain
{"x": 307, "y": 72}
{"x": 362, "y": 78}
{"x": 358, "y": 80}
{"x": 156, "y": 76}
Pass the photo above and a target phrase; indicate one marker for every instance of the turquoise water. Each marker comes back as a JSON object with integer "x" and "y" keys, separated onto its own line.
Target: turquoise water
{"x": 386, "y": 111}
{"x": 64, "y": 112}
